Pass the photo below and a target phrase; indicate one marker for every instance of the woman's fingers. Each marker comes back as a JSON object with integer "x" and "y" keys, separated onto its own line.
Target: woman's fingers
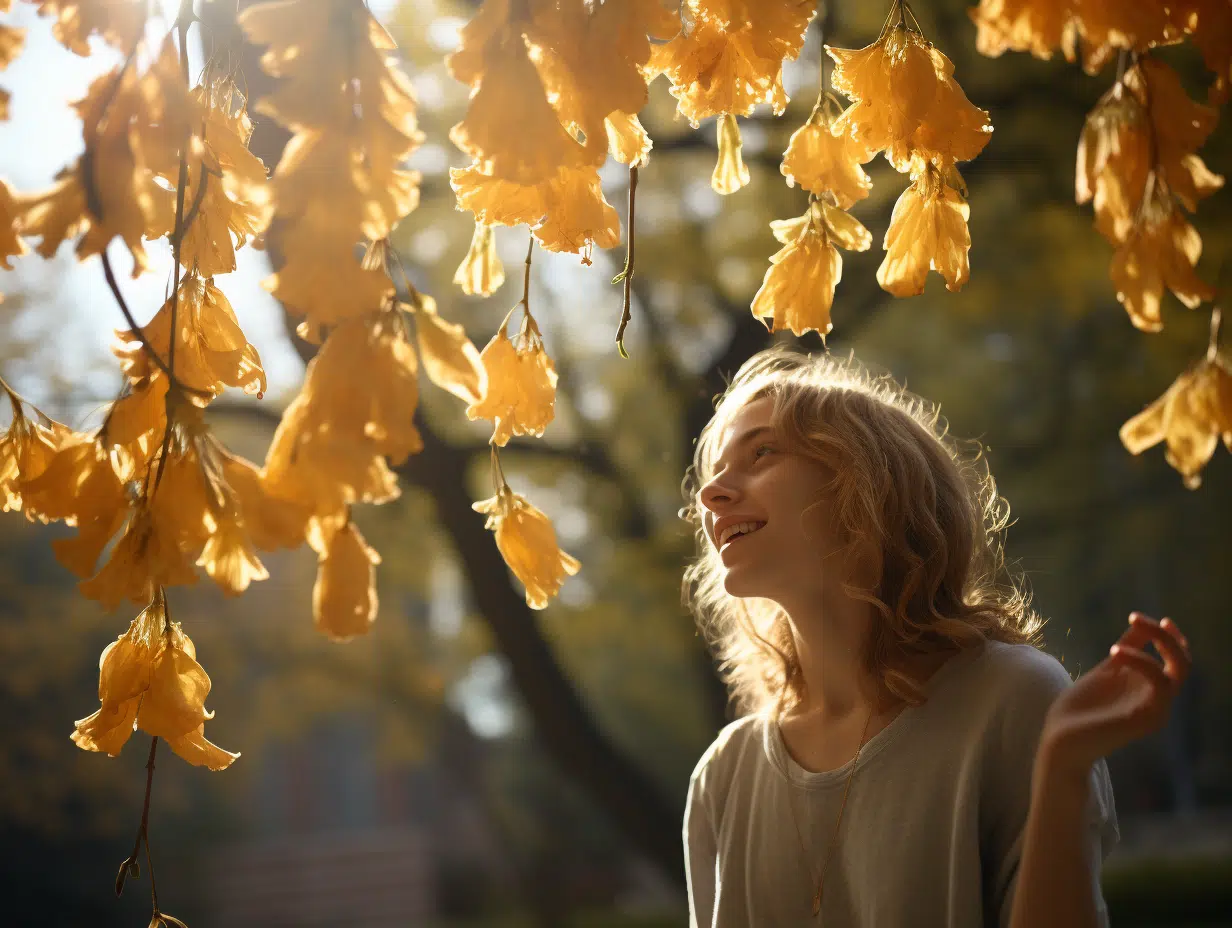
{"x": 1137, "y": 633}
{"x": 1175, "y": 631}
{"x": 1144, "y": 663}
{"x": 1167, "y": 639}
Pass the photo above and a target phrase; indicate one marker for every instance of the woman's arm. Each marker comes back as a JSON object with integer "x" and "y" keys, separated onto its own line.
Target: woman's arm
{"x": 700, "y": 855}
{"x": 1124, "y": 697}
{"x": 1055, "y": 885}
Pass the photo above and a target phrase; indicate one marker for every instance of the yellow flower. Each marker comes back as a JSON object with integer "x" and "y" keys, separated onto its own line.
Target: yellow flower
{"x": 80, "y": 487}
{"x": 627, "y": 141}
{"x": 1145, "y": 122}
{"x": 344, "y": 600}
{"x": 590, "y": 58}
{"x": 730, "y": 58}
{"x": 133, "y": 429}
{"x": 1191, "y": 417}
{"x": 521, "y": 396}
{"x": 510, "y": 129}
{"x": 270, "y": 522}
{"x": 449, "y": 359}
{"x": 340, "y": 178}
{"x": 118, "y": 22}
{"x": 928, "y": 230}
{"x": 821, "y": 160}
{"x": 317, "y": 48}
{"x": 578, "y": 217}
{"x": 229, "y": 557}
{"x": 1160, "y": 251}
{"x": 164, "y": 535}
{"x": 26, "y": 448}
{"x": 235, "y": 206}
{"x": 798, "y": 290}
{"x": 11, "y": 245}
{"x": 135, "y": 125}
{"x": 1101, "y": 27}
{"x": 907, "y": 102}
{"x": 527, "y": 542}
{"x": 322, "y": 212}
{"x": 730, "y": 172}
{"x": 211, "y": 350}
{"x": 356, "y": 408}
{"x": 481, "y": 272}
{"x": 11, "y": 40}
{"x": 149, "y": 678}
{"x": 1034, "y": 26}
{"x": 495, "y": 201}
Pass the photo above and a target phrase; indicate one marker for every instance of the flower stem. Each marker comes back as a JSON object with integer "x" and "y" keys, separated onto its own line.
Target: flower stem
{"x": 1212, "y": 348}
{"x": 626, "y": 311}
{"x": 182, "y": 21}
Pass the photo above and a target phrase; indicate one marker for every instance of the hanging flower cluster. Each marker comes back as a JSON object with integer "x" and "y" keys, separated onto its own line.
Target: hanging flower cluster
{"x": 727, "y": 60}
{"x": 1139, "y": 168}
{"x": 1096, "y": 30}
{"x": 555, "y": 87}
{"x": 905, "y": 103}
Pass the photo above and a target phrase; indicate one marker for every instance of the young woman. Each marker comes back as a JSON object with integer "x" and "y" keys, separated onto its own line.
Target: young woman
{"x": 906, "y": 755}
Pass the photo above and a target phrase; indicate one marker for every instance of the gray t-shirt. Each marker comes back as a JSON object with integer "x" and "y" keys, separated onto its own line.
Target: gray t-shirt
{"x": 933, "y": 829}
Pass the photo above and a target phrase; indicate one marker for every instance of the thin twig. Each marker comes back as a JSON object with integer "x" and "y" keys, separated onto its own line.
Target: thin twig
{"x": 183, "y": 21}
{"x": 145, "y": 821}
{"x": 530, "y": 248}
{"x": 626, "y": 311}
{"x": 129, "y": 864}
{"x": 109, "y": 274}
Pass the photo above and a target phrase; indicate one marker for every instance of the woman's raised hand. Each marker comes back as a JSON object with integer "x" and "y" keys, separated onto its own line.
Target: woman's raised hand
{"x": 1124, "y": 697}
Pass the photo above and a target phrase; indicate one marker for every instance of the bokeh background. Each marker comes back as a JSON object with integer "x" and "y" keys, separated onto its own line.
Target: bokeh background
{"x": 473, "y": 763}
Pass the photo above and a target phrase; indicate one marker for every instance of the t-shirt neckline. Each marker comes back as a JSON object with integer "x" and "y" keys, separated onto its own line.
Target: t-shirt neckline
{"x": 785, "y": 764}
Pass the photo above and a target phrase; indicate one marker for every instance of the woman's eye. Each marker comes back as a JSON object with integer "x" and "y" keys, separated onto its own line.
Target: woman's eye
{"x": 763, "y": 450}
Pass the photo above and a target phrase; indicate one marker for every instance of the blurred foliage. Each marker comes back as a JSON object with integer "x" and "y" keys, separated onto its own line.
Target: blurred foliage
{"x": 1034, "y": 358}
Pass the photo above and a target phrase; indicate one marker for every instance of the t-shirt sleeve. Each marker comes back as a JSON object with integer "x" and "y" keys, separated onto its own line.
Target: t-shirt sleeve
{"x": 1007, "y": 791}
{"x": 700, "y": 854}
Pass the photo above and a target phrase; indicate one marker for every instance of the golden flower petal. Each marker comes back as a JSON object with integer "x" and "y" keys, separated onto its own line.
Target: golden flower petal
{"x": 798, "y": 290}
{"x": 344, "y": 599}
{"x": 521, "y": 394}
{"x": 1033, "y": 26}
{"x": 821, "y": 161}
{"x": 449, "y": 359}
{"x": 527, "y": 542}
{"x": 928, "y": 230}
{"x": 1191, "y": 417}
{"x": 578, "y": 216}
{"x": 481, "y": 271}
{"x": 730, "y": 171}
{"x": 194, "y": 748}
{"x": 230, "y": 559}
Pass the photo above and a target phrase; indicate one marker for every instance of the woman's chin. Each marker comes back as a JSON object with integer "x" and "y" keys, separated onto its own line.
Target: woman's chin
{"x": 739, "y": 584}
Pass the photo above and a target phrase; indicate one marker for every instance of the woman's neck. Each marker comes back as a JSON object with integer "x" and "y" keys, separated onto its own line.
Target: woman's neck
{"x": 831, "y": 637}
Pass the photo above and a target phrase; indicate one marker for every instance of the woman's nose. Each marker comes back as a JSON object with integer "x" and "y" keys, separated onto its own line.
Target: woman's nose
{"x": 717, "y": 493}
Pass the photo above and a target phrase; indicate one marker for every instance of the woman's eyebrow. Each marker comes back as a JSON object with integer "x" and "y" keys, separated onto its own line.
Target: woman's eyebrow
{"x": 744, "y": 438}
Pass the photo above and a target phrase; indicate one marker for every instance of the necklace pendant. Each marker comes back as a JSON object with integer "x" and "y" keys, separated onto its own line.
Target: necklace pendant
{"x": 817, "y": 902}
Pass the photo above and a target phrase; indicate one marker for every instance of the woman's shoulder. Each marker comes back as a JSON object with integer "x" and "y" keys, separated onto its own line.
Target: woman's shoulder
{"x": 1022, "y": 671}
{"x": 733, "y": 744}
{"x": 1011, "y": 687}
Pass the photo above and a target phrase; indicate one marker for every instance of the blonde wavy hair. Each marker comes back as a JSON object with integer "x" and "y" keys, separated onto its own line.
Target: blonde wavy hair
{"x": 902, "y": 488}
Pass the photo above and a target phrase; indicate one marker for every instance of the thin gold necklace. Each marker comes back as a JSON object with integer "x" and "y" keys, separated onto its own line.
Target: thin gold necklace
{"x": 821, "y": 881}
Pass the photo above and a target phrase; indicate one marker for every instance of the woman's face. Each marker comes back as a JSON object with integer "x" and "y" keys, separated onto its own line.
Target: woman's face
{"x": 779, "y": 494}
